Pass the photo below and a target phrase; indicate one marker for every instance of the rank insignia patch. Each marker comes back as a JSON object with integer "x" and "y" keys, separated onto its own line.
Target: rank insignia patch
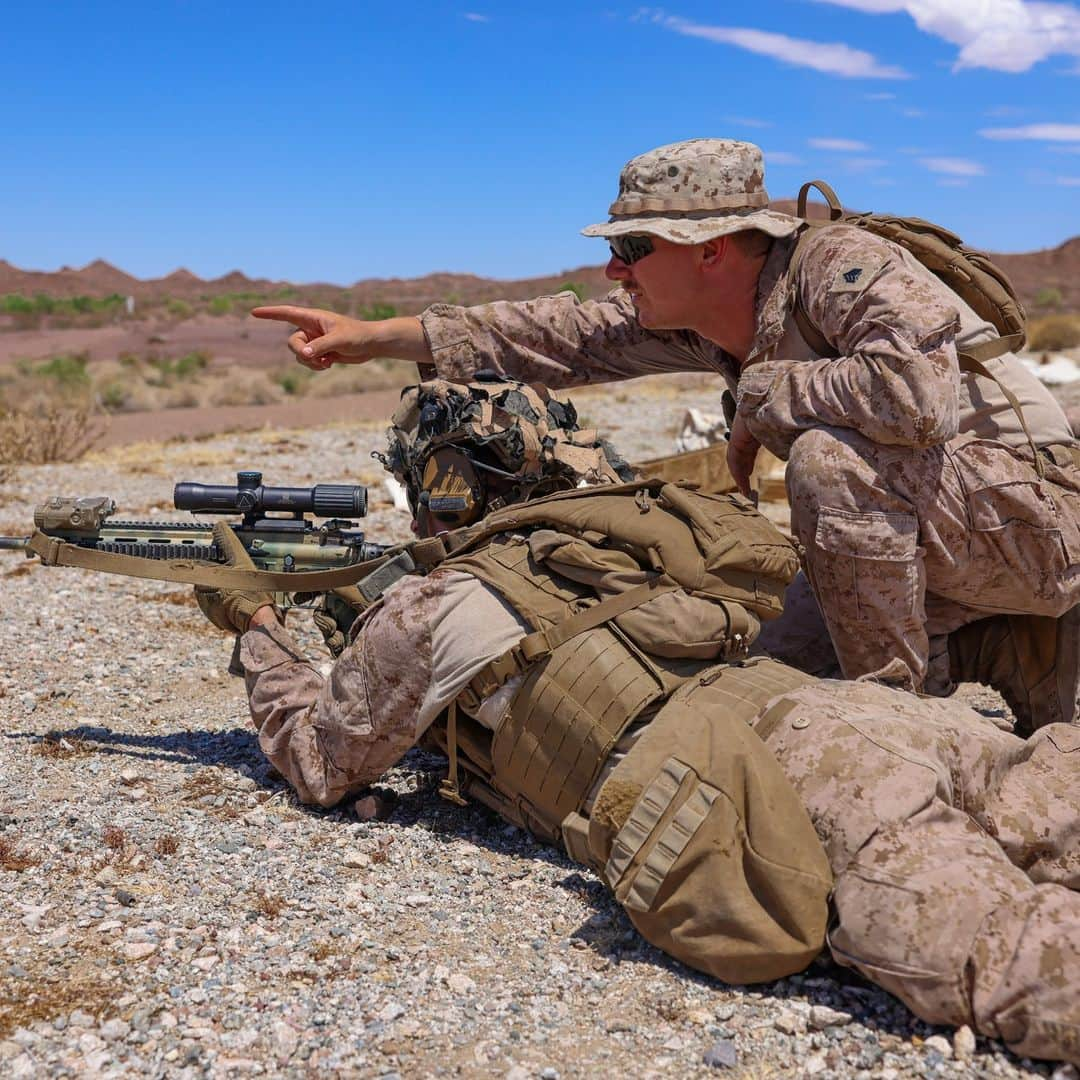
{"x": 853, "y": 275}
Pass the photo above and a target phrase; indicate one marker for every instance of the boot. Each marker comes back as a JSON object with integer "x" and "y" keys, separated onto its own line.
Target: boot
{"x": 1033, "y": 661}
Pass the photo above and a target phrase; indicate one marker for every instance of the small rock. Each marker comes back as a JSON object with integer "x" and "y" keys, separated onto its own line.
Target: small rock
{"x": 357, "y": 859}
{"x": 724, "y": 1012}
{"x": 517, "y": 1072}
{"x": 461, "y": 984}
{"x": 129, "y": 776}
{"x": 939, "y": 1044}
{"x": 721, "y": 1055}
{"x": 814, "y": 1065}
{"x": 1065, "y": 1072}
{"x": 789, "y": 1023}
{"x": 701, "y": 1017}
{"x": 549, "y": 1074}
{"x": 821, "y": 1017}
{"x": 286, "y": 1039}
{"x": 124, "y": 898}
{"x": 139, "y": 950}
{"x": 105, "y": 876}
{"x": 964, "y": 1043}
{"x": 391, "y": 1011}
{"x": 115, "y": 1029}
{"x": 375, "y": 806}
{"x": 81, "y": 1019}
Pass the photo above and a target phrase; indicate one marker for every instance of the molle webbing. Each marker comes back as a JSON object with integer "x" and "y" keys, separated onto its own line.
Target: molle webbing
{"x": 565, "y": 718}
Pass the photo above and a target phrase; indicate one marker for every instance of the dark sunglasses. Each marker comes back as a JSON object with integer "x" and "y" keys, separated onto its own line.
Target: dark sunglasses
{"x": 629, "y": 249}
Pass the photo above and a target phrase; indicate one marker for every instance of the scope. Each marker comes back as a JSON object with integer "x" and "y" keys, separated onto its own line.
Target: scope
{"x": 250, "y": 497}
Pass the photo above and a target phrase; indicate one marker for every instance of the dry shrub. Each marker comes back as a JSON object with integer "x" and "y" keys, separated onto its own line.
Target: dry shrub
{"x": 13, "y": 859}
{"x": 54, "y": 744}
{"x": 166, "y": 845}
{"x": 362, "y": 378}
{"x": 114, "y": 837}
{"x": 1054, "y": 332}
{"x": 50, "y": 431}
{"x": 267, "y": 904}
{"x": 243, "y": 386}
{"x": 55, "y": 992}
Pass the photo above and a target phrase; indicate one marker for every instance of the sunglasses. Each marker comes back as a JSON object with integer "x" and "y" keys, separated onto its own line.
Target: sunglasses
{"x": 629, "y": 249}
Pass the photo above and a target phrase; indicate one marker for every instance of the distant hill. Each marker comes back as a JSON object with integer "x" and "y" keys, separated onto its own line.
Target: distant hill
{"x": 1039, "y": 276}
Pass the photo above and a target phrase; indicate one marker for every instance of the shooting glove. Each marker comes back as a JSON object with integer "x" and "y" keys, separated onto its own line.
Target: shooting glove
{"x": 335, "y": 617}
{"x": 230, "y": 609}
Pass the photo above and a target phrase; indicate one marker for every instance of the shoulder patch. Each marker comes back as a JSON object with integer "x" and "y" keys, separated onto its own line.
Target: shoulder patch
{"x": 858, "y": 272}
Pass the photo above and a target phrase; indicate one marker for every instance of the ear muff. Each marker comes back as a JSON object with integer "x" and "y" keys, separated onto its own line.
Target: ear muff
{"x": 451, "y": 488}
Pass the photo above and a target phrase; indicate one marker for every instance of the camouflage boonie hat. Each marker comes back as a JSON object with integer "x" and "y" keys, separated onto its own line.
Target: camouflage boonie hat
{"x": 690, "y": 192}
{"x": 520, "y": 434}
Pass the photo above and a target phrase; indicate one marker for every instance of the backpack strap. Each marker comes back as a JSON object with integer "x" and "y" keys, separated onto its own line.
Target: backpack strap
{"x": 836, "y": 211}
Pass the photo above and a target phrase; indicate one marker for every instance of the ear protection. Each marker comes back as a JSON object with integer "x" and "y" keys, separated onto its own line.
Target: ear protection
{"x": 450, "y": 487}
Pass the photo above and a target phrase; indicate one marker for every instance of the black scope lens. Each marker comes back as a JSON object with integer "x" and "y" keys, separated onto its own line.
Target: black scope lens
{"x": 322, "y": 500}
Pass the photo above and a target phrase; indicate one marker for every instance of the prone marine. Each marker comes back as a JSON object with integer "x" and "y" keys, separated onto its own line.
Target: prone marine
{"x": 580, "y": 656}
{"x": 934, "y": 481}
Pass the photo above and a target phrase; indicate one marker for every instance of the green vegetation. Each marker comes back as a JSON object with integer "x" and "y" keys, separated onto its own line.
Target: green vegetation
{"x": 294, "y": 380}
{"x": 378, "y": 311}
{"x": 40, "y": 304}
{"x": 576, "y": 287}
{"x": 179, "y": 309}
{"x": 220, "y": 305}
{"x": 67, "y": 371}
{"x": 1048, "y": 297}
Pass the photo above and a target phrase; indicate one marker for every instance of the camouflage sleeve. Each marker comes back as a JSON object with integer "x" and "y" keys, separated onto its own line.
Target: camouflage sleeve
{"x": 561, "y": 341}
{"x": 895, "y": 378}
{"x": 329, "y": 737}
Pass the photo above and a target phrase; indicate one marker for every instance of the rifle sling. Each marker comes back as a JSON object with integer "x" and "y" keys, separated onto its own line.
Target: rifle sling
{"x": 55, "y": 552}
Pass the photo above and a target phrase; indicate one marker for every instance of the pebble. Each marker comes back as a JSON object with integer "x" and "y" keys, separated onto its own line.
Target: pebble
{"x": 964, "y": 1043}
{"x": 721, "y": 1055}
{"x": 821, "y": 1016}
{"x": 139, "y": 950}
{"x": 940, "y": 1045}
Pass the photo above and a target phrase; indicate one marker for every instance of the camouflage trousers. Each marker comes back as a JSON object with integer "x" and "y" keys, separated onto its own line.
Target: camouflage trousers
{"x": 956, "y": 853}
{"x": 904, "y": 546}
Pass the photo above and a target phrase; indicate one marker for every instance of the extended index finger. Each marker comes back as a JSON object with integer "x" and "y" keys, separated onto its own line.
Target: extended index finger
{"x": 298, "y": 316}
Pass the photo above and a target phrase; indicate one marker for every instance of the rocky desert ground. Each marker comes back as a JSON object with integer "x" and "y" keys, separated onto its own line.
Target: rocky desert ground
{"x": 168, "y": 909}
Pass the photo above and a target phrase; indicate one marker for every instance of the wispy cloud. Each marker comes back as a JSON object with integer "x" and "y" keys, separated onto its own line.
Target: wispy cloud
{"x": 883, "y": 96}
{"x": 864, "y": 164}
{"x": 1044, "y": 132}
{"x": 781, "y": 157}
{"x": 912, "y": 114}
{"x": 1004, "y": 112}
{"x": 953, "y": 181}
{"x": 953, "y": 166}
{"x": 833, "y": 58}
{"x": 1004, "y": 35}
{"x": 748, "y": 121}
{"x": 1069, "y": 181}
{"x": 843, "y": 145}
{"x": 474, "y": 16}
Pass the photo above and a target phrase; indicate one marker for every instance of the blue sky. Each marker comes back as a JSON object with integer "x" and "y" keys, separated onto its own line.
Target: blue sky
{"x": 338, "y": 141}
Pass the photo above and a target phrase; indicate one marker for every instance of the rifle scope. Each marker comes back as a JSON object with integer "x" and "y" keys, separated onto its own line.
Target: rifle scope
{"x": 250, "y": 497}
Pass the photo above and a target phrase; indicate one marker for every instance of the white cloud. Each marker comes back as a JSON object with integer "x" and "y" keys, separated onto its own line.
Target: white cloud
{"x": 1046, "y": 132}
{"x": 864, "y": 164}
{"x": 953, "y": 181}
{"x": 886, "y": 96}
{"x": 912, "y": 114}
{"x": 1004, "y": 112}
{"x": 952, "y": 166}
{"x": 781, "y": 157}
{"x": 843, "y": 145}
{"x": 473, "y": 16}
{"x": 1069, "y": 181}
{"x": 829, "y": 58}
{"x": 1004, "y": 35}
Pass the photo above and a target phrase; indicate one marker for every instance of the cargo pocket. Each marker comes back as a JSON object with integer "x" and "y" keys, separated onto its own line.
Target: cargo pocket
{"x": 862, "y": 565}
{"x": 1025, "y": 533}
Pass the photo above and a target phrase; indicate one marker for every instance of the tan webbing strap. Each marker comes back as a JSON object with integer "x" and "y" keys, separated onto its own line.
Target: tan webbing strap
{"x": 449, "y": 788}
{"x": 969, "y": 363}
{"x": 539, "y": 644}
{"x": 55, "y": 552}
{"x": 836, "y": 211}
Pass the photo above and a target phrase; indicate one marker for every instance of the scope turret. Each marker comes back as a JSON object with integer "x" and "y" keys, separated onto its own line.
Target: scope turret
{"x": 250, "y": 497}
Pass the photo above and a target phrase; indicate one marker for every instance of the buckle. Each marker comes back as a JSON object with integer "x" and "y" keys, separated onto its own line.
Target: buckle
{"x": 452, "y": 793}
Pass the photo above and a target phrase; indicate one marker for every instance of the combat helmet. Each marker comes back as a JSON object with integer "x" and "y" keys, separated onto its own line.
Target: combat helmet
{"x": 463, "y": 449}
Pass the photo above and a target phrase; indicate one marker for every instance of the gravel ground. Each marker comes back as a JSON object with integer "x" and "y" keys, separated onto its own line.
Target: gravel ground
{"x": 168, "y": 909}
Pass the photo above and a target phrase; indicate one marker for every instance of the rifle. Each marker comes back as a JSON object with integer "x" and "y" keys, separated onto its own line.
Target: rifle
{"x": 295, "y": 558}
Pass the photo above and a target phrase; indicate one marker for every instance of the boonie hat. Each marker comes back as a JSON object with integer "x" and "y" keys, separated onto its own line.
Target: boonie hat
{"x": 693, "y": 191}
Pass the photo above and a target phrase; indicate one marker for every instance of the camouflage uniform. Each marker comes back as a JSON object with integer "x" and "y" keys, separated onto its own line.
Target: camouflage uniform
{"x": 954, "y": 845}
{"x": 913, "y": 488}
